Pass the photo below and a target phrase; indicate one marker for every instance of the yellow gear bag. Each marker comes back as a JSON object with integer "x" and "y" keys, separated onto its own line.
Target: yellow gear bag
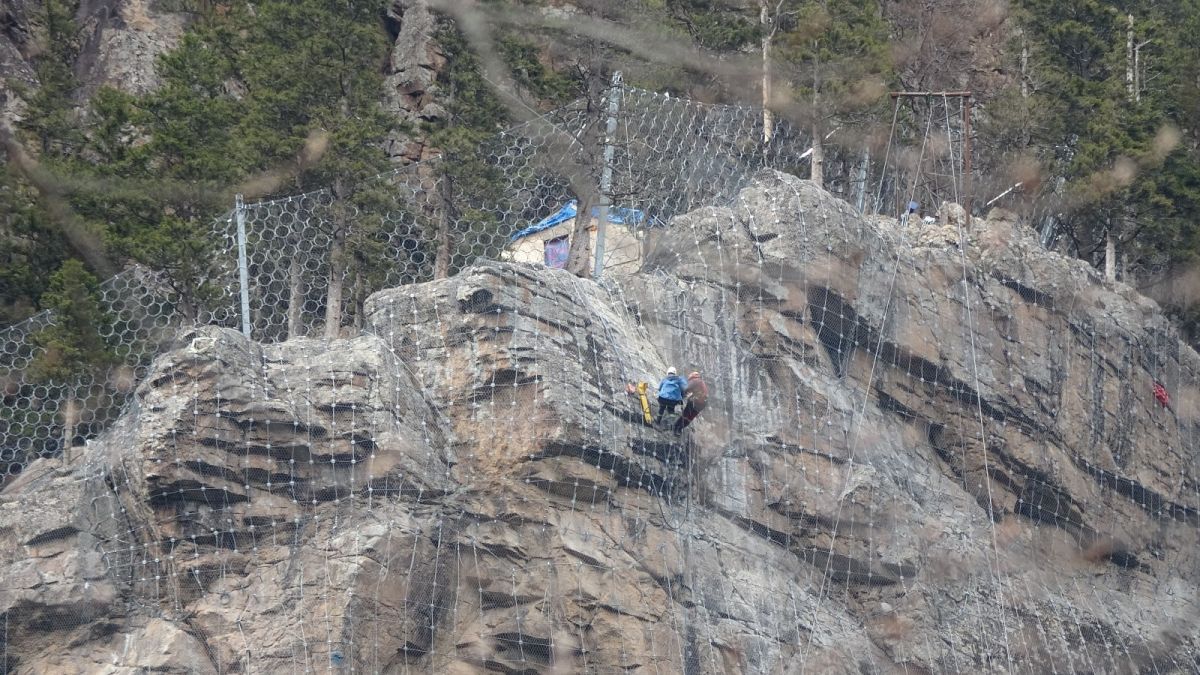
{"x": 641, "y": 388}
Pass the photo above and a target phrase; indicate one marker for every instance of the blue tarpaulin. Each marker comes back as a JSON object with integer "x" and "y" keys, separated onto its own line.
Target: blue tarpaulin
{"x": 617, "y": 215}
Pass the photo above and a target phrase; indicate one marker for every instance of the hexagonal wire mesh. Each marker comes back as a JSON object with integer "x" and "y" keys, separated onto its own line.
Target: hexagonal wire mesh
{"x": 40, "y": 416}
{"x": 311, "y": 252}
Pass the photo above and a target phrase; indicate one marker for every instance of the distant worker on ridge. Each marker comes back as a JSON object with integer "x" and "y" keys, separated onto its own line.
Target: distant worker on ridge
{"x": 696, "y": 396}
{"x": 670, "y": 393}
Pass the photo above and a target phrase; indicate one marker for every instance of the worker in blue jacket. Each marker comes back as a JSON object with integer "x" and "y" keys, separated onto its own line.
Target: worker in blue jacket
{"x": 670, "y": 393}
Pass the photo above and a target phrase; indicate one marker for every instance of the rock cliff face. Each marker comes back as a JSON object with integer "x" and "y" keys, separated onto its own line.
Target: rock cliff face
{"x": 119, "y": 43}
{"x": 917, "y": 457}
{"x": 411, "y": 91}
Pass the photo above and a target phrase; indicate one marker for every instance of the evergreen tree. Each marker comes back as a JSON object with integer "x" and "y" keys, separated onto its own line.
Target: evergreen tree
{"x": 839, "y": 62}
{"x": 1110, "y": 115}
{"x": 467, "y": 183}
{"x": 310, "y": 65}
{"x": 73, "y": 344}
{"x": 49, "y": 115}
{"x": 34, "y": 237}
{"x": 30, "y": 248}
{"x": 719, "y": 25}
{"x": 74, "y": 351}
{"x": 241, "y": 94}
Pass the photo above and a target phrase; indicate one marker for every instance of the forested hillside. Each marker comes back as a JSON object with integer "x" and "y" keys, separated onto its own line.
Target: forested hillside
{"x": 1090, "y": 109}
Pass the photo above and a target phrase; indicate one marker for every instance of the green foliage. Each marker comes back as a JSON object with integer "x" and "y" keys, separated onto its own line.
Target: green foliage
{"x": 471, "y": 103}
{"x": 313, "y": 65}
{"x": 190, "y": 122}
{"x": 714, "y": 25}
{"x": 839, "y": 53}
{"x": 474, "y": 115}
{"x": 73, "y": 345}
{"x": 546, "y": 84}
{"x": 31, "y": 246}
{"x": 1117, "y": 150}
{"x": 49, "y": 118}
{"x": 184, "y": 253}
{"x": 273, "y": 96}
{"x": 29, "y": 249}
{"x": 250, "y": 83}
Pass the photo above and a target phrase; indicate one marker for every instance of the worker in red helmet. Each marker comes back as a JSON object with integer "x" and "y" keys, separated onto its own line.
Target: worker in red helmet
{"x": 1161, "y": 395}
{"x": 695, "y": 398}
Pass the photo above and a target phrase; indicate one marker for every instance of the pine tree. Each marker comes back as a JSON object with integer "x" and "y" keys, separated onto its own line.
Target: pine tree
{"x": 1110, "y": 135}
{"x": 242, "y": 94}
{"x": 73, "y": 350}
{"x": 466, "y": 181}
{"x": 837, "y": 59}
{"x": 73, "y": 343}
{"x": 30, "y": 249}
{"x": 34, "y": 239}
{"x": 50, "y": 112}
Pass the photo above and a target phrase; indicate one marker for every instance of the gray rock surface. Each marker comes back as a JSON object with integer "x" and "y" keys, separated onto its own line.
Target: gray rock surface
{"x": 916, "y": 458}
{"x": 410, "y": 89}
{"x": 120, "y": 41}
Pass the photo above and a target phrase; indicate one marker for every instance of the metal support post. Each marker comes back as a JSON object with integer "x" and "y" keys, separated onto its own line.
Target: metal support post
{"x": 614, "y": 106}
{"x": 966, "y": 122}
{"x": 966, "y": 98}
{"x": 243, "y": 270}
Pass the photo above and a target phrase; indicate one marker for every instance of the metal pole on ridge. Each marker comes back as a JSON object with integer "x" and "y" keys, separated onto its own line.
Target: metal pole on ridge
{"x": 967, "y": 154}
{"x": 965, "y": 96}
{"x": 614, "y": 106}
{"x": 243, "y": 271}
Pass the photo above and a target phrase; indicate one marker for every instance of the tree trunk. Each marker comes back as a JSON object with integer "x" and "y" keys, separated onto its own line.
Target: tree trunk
{"x": 70, "y": 415}
{"x": 864, "y": 166}
{"x": 818, "y": 158}
{"x": 357, "y": 298}
{"x": 1024, "y": 67}
{"x": 1129, "y": 84}
{"x": 768, "y": 31}
{"x": 580, "y": 256}
{"x": 583, "y": 182}
{"x": 441, "y": 261}
{"x": 1110, "y": 257}
{"x": 295, "y": 297}
{"x": 1110, "y": 238}
{"x": 337, "y": 265}
{"x": 337, "y": 271}
{"x": 817, "y": 162}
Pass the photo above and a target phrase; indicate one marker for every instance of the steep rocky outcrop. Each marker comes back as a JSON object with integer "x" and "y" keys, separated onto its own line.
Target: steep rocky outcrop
{"x": 410, "y": 90}
{"x": 121, "y": 40}
{"x": 919, "y": 456}
{"x": 119, "y": 43}
{"x": 18, "y": 41}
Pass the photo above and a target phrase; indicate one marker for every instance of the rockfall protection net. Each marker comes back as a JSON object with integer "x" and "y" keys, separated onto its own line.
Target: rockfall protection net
{"x": 308, "y": 251}
{"x": 925, "y": 448}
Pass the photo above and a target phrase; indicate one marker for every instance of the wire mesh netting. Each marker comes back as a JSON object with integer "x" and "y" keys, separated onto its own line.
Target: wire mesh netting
{"x": 892, "y": 447}
{"x": 409, "y": 225}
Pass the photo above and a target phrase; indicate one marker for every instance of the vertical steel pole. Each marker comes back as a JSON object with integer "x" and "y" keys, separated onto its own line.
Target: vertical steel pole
{"x": 614, "y": 106}
{"x": 243, "y": 270}
{"x": 967, "y": 152}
